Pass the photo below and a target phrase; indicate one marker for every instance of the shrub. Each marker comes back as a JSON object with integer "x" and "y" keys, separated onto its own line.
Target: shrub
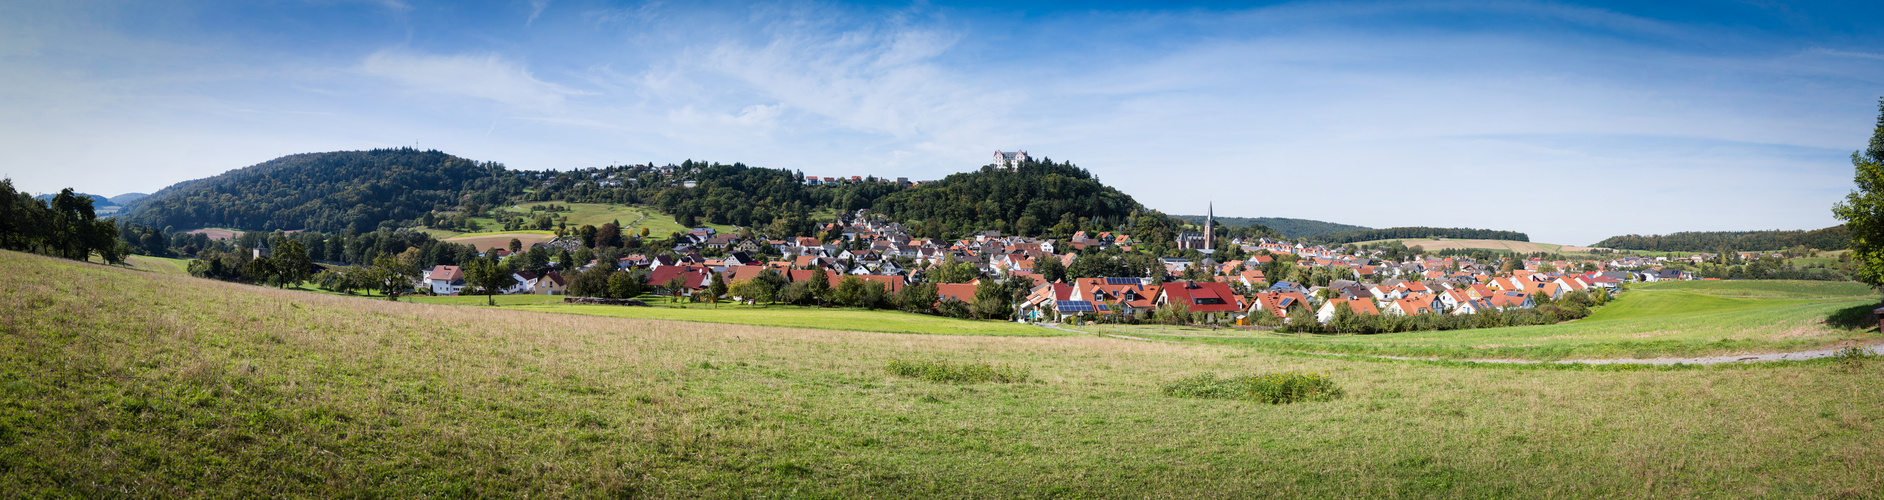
{"x": 944, "y": 371}
{"x": 1272, "y": 388}
{"x": 1852, "y": 358}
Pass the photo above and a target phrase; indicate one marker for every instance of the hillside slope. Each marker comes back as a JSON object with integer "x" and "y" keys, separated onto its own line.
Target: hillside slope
{"x": 329, "y": 192}
{"x": 1289, "y": 228}
{"x": 125, "y": 383}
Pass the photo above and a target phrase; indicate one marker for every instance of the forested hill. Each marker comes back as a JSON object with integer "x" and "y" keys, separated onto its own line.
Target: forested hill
{"x": 1032, "y": 199}
{"x": 1831, "y": 238}
{"x": 327, "y": 192}
{"x": 1418, "y": 232}
{"x": 1288, "y": 228}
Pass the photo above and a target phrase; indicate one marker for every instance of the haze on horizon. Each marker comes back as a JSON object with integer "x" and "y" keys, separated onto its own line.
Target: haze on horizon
{"x": 1570, "y": 122}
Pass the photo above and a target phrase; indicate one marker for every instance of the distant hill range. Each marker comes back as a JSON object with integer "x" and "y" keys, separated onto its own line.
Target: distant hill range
{"x": 97, "y": 200}
{"x": 1417, "y": 232}
{"x": 1289, "y": 228}
{"x": 1831, "y": 238}
{"x": 127, "y": 198}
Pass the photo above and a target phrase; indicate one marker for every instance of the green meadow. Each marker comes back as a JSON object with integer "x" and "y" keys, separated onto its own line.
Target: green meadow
{"x": 774, "y": 315}
{"x": 1697, "y": 318}
{"x": 117, "y": 383}
{"x": 1769, "y": 289}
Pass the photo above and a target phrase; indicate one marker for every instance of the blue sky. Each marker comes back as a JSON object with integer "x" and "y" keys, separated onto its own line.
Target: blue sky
{"x": 1571, "y": 122}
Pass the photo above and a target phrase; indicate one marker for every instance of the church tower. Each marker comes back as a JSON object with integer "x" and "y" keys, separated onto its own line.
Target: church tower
{"x": 1210, "y": 229}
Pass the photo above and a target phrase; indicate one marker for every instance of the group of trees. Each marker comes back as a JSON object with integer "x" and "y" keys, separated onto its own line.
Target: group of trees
{"x": 1831, "y": 238}
{"x": 1417, "y": 232}
{"x": 65, "y": 226}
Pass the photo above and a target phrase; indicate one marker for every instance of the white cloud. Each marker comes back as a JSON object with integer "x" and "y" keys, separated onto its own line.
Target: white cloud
{"x": 536, "y": 9}
{"x": 481, "y": 76}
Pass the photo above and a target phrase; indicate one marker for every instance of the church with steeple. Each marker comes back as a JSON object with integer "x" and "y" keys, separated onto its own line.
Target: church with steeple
{"x": 1206, "y": 241}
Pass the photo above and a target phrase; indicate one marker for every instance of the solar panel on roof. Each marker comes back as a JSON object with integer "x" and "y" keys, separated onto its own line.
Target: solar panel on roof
{"x": 1123, "y": 281}
{"x": 1073, "y": 306}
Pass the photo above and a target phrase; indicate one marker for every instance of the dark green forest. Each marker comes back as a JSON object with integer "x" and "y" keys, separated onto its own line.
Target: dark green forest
{"x": 1831, "y": 238}
{"x": 1417, "y": 232}
{"x": 345, "y": 190}
{"x": 365, "y": 191}
{"x": 1288, "y": 228}
{"x": 1035, "y": 198}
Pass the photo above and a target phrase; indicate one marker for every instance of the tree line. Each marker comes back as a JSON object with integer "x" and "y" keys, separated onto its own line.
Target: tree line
{"x": 1831, "y": 238}
{"x": 1416, "y": 232}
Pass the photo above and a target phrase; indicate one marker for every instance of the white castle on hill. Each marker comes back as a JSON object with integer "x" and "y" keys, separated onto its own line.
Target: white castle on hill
{"x": 1010, "y": 160}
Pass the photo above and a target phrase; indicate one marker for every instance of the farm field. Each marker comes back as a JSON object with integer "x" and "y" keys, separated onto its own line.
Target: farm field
{"x": 216, "y": 233}
{"x": 1639, "y": 324}
{"x": 124, "y": 383}
{"x": 486, "y": 241}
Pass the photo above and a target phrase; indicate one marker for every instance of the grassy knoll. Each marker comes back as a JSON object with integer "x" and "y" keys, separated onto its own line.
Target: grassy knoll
{"x": 123, "y": 384}
{"x": 1636, "y": 325}
{"x": 1771, "y": 289}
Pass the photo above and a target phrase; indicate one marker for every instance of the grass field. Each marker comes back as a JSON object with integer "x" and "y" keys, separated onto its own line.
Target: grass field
{"x": 1639, "y": 324}
{"x": 775, "y": 315}
{"x": 1776, "y": 289}
{"x": 115, "y": 383}
{"x": 658, "y": 224}
{"x": 487, "y": 241}
{"x": 159, "y": 265}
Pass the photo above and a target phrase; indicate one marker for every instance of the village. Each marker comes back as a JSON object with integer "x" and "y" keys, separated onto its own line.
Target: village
{"x": 1234, "y": 292}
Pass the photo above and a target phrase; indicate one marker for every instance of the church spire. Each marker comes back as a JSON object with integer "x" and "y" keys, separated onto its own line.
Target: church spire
{"x": 1210, "y": 229}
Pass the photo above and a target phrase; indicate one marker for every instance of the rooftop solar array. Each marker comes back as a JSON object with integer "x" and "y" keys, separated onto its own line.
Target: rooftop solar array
{"x": 1067, "y": 306}
{"x": 1124, "y": 281}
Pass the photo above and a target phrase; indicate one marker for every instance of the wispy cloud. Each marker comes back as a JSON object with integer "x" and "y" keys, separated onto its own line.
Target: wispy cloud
{"x": 536, "y": 10}
{"x": 481, "y": 76}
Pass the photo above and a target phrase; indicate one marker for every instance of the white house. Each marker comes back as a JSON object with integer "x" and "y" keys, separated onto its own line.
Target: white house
{"x": 446, "y": 280}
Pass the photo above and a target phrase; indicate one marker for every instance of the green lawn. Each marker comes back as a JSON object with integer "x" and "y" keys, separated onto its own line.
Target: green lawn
{"x": 1637, "y": 325}
{"x": 116, "y": 383}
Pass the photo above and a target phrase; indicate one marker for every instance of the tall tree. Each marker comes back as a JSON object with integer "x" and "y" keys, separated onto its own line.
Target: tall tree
{"x": 291, "y": 263}
{"x": 1863, "y": 210}
{"x": 490, "y": 277}
{"x": 394, "y": 276}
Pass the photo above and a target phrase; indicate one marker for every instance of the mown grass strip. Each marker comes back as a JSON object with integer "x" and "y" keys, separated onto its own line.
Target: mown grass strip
{"x": 941, "y": 370}
{"x": 1270, "y": 388}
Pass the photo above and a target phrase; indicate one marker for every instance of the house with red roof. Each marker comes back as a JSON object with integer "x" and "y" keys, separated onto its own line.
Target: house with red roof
{"x": 446, "y": 280}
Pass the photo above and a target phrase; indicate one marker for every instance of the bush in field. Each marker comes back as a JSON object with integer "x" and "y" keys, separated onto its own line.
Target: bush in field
{"x": 1272, "y": 388}
{"x": 944, "y": 371}
{"x": 1852, "y": 359}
